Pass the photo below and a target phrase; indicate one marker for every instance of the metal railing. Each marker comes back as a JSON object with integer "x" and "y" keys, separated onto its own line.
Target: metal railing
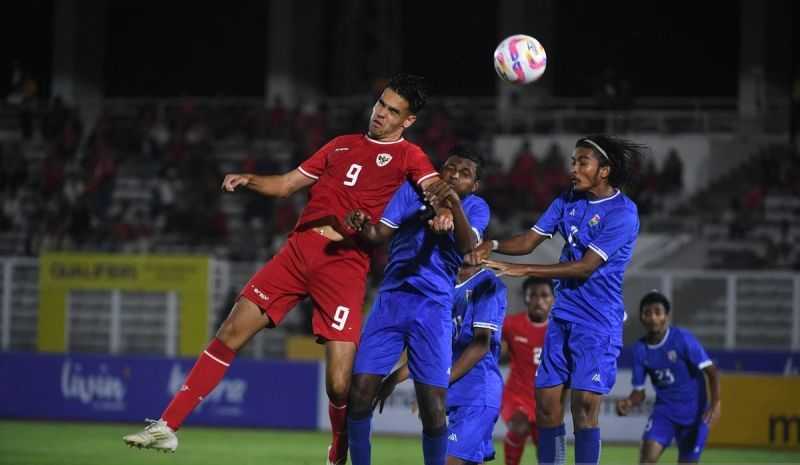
{"x": 725, "y": 309}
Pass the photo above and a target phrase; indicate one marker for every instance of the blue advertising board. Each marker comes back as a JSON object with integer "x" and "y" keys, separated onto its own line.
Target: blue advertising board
{"x": 773, "y": 362}
{"x": 270, "y": 394}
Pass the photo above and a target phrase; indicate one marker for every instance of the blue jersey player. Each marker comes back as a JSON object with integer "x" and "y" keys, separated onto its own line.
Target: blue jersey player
{"x": 476, "y": 385}
{"x": 584, "y": 337}
{"x": 678, "y": 367}
{"x": 413, "y": 307}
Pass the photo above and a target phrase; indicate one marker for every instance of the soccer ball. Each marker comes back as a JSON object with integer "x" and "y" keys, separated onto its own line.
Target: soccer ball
{"x": 520, "y": 59}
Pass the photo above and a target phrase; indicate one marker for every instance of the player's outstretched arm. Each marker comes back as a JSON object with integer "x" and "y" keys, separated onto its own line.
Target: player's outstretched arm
{"x": 635, "y": 399}
{"x": 376, "y": 233}
{"x": 580, "y": 269}
{"x": 521, "y": 244}
{"x": 282, "y": 185}
{"x": 715, "y": 405}
{"x": 477, "y": 348}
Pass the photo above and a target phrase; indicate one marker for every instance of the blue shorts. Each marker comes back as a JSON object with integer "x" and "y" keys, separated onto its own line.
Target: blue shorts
{"x": 469, "y": 432}
{"x": 405, "y": 318}
{"x": 691, "y": 439}
{"x": 578, "y": 357}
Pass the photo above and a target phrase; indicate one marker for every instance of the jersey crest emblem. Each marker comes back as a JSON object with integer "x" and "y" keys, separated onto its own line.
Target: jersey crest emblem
{"x": 595, "y": 220}
{"x": 383, "y": 159}
{"x": 672, "y": 356}
{"x": 468, "y": 295}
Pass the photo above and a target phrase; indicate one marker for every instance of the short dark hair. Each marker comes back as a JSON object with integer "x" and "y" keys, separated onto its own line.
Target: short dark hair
{"x": 623, "y": 156}
{"x": 534, "y": 281}
{"x": 468, "y": 152}
{"x": 654, "y": 297}
{"x": 412, "y": 88}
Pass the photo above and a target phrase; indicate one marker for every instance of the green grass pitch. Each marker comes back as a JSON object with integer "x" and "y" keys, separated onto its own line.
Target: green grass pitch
{"x": 49, "y": 443}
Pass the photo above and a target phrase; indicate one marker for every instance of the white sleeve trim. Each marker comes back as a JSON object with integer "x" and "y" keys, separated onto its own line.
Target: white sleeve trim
{"x": 538, "y": 231}
{"x": 599, "y": 252}
{"x": 477, "y": 235}
{"x": 705, "y": 364}
{"x": 300, "y": 169}
{"x": 389, "y": 223}
{"x": 435, "y": 173}
{"x": 638, "y": 388}
{"x": 479, "y": 324}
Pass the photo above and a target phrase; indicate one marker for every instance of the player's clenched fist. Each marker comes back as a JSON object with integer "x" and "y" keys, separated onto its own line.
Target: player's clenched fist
{"x": 232, "y": 181}
{"x": 356, "y": 220}
{"x": 442, "y": 222}
{"x": 440, "y": 193}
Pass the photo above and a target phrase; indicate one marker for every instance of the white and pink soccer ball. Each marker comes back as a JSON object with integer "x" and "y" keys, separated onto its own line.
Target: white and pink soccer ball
{"x": 520, "y": 59}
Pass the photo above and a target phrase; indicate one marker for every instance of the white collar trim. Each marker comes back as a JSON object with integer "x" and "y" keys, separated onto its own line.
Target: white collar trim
{"x": 661, "y": 342}
{"x": 383, "y": 143}
{"x": 607, "y": 198}
{"x": 470, "y": 278}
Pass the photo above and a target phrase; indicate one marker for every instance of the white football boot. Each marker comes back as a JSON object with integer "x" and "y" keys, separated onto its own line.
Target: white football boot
{"x": 157, "y": 435}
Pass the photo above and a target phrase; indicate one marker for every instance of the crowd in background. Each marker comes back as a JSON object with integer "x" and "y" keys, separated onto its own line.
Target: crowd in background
{"x": 145, "y": 177}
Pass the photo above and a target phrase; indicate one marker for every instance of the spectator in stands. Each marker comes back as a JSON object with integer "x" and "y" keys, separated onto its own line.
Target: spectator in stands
{"x": 52, "y": 177}
{"x": 524, "y": 177}
{"x": 646, "y": 192}
{"x": 554, "y": 176}
{"x": 439, "y": 137}
{"x": 672, "y": 173}
{"x": 736, "y": 221}
{"x": 278, "y": 119}
{"x": 102, "y": 175}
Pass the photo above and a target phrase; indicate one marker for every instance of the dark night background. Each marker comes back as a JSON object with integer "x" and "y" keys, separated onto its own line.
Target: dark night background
{"x": 178, "y": 48}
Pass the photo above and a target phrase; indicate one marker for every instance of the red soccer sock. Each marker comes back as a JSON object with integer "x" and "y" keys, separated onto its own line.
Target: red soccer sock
{"x": 338, "y": 416}
{"x": 204, "y": 377}
{"x": 513, "y": 445}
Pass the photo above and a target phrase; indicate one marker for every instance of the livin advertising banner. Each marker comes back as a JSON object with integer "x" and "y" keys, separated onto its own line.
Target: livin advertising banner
{"x": 105, "y": 388}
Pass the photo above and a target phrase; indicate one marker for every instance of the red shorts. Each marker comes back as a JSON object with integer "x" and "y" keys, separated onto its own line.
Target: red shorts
{"x": 514, "y": 402}
{"x": 332, "y": 273}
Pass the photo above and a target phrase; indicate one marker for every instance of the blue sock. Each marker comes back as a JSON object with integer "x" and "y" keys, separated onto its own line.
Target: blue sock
{"x": 434, "y": 449}
{"x": 358, "y": 438}
{"x": 552, "y": 445}
{"x": 587, "y": 446}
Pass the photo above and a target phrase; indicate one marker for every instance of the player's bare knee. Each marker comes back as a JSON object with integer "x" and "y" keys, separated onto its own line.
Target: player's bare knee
{"x": 584, "y": 417}
{"x": 228, "y": 332}
{"x": 338, "y": 388}
{"x": 434, "y": 423}
{"x": 548, "y": 413}
{"x": 360, "y": 396}
{"x": 519, "y": 425}
{"x": 434, "y": 418}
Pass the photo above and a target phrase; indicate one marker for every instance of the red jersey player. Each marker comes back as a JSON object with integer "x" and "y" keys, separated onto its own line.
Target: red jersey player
{"x": 523, "y": 339}
{"x": 321, "y": 259}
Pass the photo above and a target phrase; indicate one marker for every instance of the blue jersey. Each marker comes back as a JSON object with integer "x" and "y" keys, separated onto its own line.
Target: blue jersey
{"x": 479, "y": 302}
{"x": 675, "y": 366}
{"x": 609, "y": 228}
{"x": 417, "y": 256}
